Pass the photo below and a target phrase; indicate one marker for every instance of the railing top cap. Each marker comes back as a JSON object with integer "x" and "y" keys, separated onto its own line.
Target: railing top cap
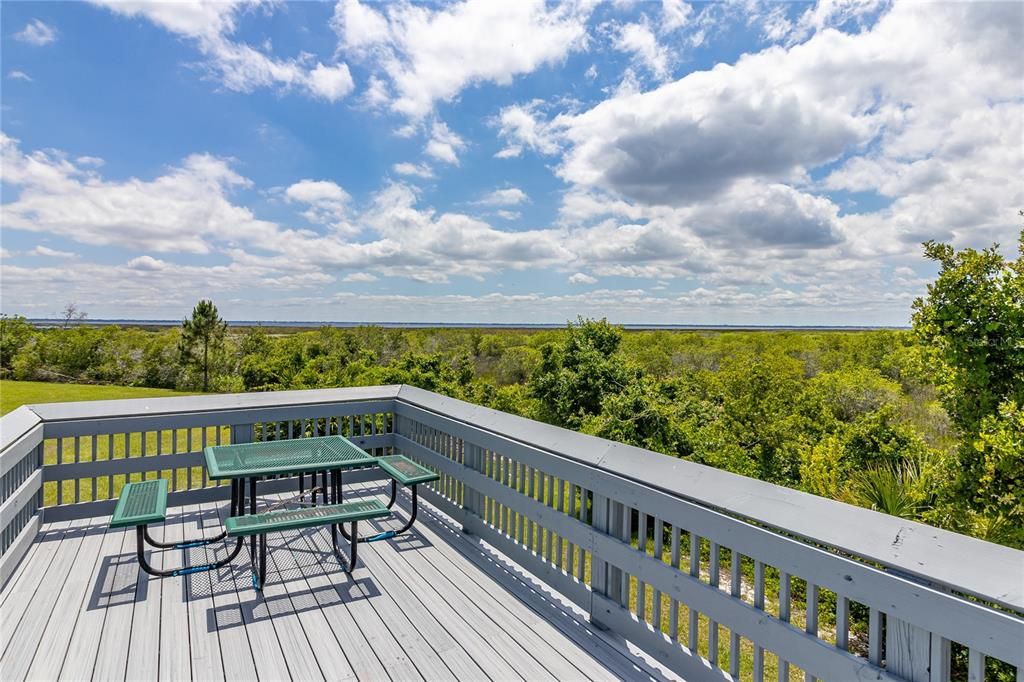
{"x": 136, "y": 407}
{"x": 15, "y": 424}
{"x": 983, "y": 569}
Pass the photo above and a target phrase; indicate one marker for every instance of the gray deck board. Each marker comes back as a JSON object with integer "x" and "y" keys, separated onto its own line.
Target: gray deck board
{"x": 25, "y": 636}
{"x": 203, "y": 641}
{"x": 74, "y": 597}
{"x": 174, "y": 662}
{"x": 21, "y": 589}
{"x": 429, "y": 605}
{"x": 236, "y": 653}
{"x": 80, "y": 658}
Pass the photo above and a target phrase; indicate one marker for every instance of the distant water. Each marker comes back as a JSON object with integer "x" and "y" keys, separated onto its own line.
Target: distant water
{"x": 313, "y": 324}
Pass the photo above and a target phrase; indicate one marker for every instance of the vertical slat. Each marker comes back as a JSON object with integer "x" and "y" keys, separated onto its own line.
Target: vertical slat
{"x": 975, "y": 665}
{"x": 188, "y": 448}
{"x": 78, "y": 458}
{"x": 60, "y": 460}
{"x": 713, "y": 577}
{"x": 641, "y": 588}
{"x": 581, "y": 563}
{"x": 758, "y": 604}
{"x": 692, "y": 626}
{"x": 673, "y": 614}
{"x": 110, "y": 455}
{"x": 598, "y": 567}
{"x": 627, "y": 536}
{"x": 940, "y": 662}
{"x": 562, "y": 506}
{"x": 842, "y": 622}
{"x": 734, "y": 638}
{"x": 549, "y": 500}
{"x": 95, "y": 481}
{"x": 812, "y": 619}
{"x": 784, "y": 606}
{"x": 203, "y": 446}
{"x": 875, "y": 636}
{"x": 612, "y": 525}
{"x": 659, "y": 550}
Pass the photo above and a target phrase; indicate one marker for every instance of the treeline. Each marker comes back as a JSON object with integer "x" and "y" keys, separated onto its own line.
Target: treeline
{"x": 925, "y": 424}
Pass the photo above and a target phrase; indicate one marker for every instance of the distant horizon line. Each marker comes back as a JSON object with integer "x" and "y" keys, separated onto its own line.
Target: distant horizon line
{"x": 469, "y": 325}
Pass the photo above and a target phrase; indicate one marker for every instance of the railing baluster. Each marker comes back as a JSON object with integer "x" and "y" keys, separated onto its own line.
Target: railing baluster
{"x": 875, "y": 636}
{"x": 735, "y": 590}
{"x": 758, "y": 604}
{"x": 95, "y": 481}
{"x": 713, "y": 578}
{"x": 693, "y": 625}
{"x": 549, "y": 499}
{"x": 673, "y": 614}
{"x": 659, "y": 540}
{"x": 975, "y": 665}
{"x": 812, "y": 619}
{"x": 842, "y": 622}
{"x": 581, "y": 563}
{"x": 641, "y": 588}
{"x": 60, "y": 460}
{"x": 78, "y": 458}
{"x": 627, "y": 536}
{"x": 784, "y": 614}
{"x": 562, "y": 507}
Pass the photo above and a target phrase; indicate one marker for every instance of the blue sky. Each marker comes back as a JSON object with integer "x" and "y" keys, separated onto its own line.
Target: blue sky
{"x": 651, "y": 162}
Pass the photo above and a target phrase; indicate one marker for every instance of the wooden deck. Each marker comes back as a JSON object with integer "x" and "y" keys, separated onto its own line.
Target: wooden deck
{"x": 434, "y": 604}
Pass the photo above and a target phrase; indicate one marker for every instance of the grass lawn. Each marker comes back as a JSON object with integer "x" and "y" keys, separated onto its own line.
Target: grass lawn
{"x": 14, "y": 394}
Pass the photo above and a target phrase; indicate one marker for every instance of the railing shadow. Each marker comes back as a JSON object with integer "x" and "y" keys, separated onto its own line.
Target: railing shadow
{"x": 530, "y": 591}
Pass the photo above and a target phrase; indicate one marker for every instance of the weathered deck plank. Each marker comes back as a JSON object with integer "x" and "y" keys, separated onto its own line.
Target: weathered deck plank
{"x": 204, "y": 641}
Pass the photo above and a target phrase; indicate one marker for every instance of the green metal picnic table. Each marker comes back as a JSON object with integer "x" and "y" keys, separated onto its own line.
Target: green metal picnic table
{"x": 247, "y": 463}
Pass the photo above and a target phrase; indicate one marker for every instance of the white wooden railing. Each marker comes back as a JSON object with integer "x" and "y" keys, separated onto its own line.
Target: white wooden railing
{"x": 779, "y": 580}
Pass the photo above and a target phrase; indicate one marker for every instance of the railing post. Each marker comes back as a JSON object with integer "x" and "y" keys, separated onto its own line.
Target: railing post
{"x": 598, "y": 568}
{"x": 242, "y": 433}
{"x": 907, "y": 650}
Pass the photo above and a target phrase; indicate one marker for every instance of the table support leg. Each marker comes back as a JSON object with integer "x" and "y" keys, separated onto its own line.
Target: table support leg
{"x": 252, "y": 510}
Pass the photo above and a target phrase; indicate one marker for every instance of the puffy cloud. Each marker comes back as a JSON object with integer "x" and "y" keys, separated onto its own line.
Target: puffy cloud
{"x": 581, "y": 278}
{"x": 37, "y": 32}
{"x": 327, "y": 201}
{"x": 19, "y": 76}
{"x": 330, "y": 82}
{"x": 431, "y": 55}
{"x": 417, "y": 170}
{"x": 182, "y": 210}
{"x": 444, "y": 145}
{"x": 639, "y": 40}
{"x": 925, "y": 107}
{"x": 509, "y": 196}
{"x": 674, "y": 14}
{"x": 237, "y": 66}
{"x": 522, "y": 127}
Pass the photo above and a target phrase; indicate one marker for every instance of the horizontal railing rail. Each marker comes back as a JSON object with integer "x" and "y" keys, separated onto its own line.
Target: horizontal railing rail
{"x": 716, "y": 575}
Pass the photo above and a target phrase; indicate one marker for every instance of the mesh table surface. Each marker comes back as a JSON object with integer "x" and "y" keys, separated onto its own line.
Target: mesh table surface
{"x": 284, "y": 457}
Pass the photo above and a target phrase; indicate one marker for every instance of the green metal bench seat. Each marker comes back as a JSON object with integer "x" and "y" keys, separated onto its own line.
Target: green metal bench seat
{"x": 405, "y": 471}
{"x": 291, "y": 519}
{"x": 332, "y": 515}
{"x": 141, "y": 503}
{"x": 145, "y": 502}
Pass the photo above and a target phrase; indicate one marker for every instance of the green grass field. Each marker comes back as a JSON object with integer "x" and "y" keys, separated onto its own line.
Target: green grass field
{"x": 14, "y": 394}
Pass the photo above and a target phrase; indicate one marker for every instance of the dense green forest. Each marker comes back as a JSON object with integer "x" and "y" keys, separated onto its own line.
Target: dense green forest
{"x": 925, "y": 424}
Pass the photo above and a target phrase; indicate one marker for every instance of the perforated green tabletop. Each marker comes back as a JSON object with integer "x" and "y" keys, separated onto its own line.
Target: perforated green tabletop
{"x": 283, "y": 457}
